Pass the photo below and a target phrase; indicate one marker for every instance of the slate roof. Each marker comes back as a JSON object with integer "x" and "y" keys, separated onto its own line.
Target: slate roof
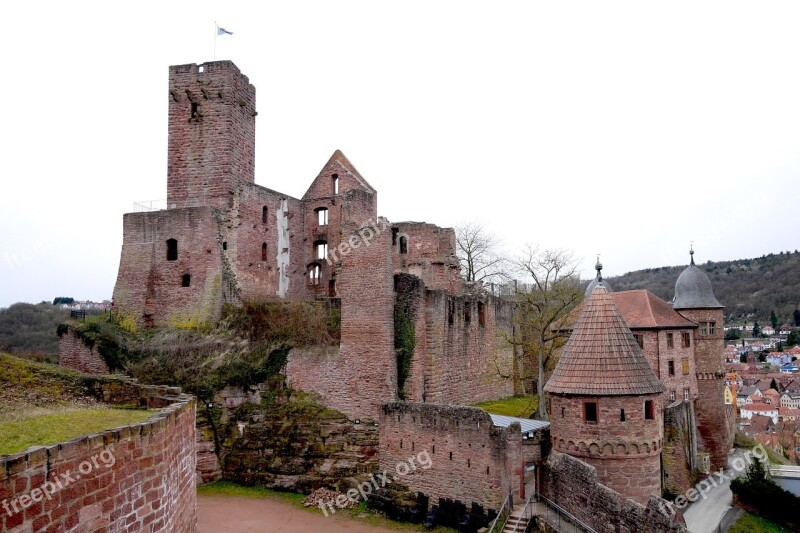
{"x": 693, "y": 290}
{"x": 601, "y": 357}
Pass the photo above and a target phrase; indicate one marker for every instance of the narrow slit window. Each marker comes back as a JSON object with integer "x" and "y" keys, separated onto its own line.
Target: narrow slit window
{"x": 649, "y": 412}
{"x": 335, "y": 179}
{"x": 403, "y": 244}
{"x": 224, "y": 245}
{"x": 264, "y": 251}
{"x": 195, "y": 110}
{"x": 622, "y": 415}
{"x": 395, "y": 231}
{"x": 186, "y": 280}
{"x": 264, "y": 214}
{"x": 172, "y": 250}
{"x": 467, "y": 312}
{"x": 332, "y": 288}
{"x": 481, "y": 314}
{"x": 670, "y": 342}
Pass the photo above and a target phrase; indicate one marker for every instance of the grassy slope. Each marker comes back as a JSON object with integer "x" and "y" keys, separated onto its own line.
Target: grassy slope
{"x": 749, "y": 523}
{"x": 42, "y": 404}
{"x": 518, "y": 406}
{"x": 43, "y": 430}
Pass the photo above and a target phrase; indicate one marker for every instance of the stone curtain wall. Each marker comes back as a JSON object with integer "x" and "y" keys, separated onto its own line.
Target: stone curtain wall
{"x": 148, "y": 486}
{"x": 679, "y": 453}
{"x": 472, "y": 461}
{"x": 74, "y": 354}
{"x": 574, "y": 485}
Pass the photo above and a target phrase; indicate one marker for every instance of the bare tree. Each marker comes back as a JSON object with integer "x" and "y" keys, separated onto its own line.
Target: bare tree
{"x": 552, "y": 289}
{"x": 479, "y": 254}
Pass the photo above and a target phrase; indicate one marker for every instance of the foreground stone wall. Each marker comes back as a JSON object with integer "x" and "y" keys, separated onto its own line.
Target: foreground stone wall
{"x": 574, "y": 485}
{"x": 134, "y": 478}
{"x": 74, "y": 354}
{"x": 471, "y": 460}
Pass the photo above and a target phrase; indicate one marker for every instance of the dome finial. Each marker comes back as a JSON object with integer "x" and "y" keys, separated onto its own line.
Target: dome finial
{"x": 691, "y": 251}
{"x": 599, "y": 267}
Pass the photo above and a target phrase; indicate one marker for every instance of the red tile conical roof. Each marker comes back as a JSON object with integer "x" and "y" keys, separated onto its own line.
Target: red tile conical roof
{"x": 601, "y": 357}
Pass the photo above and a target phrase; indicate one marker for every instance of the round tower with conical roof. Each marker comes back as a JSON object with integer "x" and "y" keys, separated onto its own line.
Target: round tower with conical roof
{"x": 695, "y": 300}
{"x": 606, "y": 404}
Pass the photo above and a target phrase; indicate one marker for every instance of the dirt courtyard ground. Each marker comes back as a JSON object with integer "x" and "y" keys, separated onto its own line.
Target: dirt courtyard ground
{"x": 223, "y": 514}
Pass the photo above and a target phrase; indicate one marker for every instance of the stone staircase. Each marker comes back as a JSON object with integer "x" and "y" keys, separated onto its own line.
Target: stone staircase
{"x": 516, "y": 523}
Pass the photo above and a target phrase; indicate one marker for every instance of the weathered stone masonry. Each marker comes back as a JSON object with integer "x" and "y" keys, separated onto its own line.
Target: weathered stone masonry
{"x": 149, "y": 487}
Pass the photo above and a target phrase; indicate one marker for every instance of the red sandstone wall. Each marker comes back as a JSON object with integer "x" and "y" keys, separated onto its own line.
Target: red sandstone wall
{"x": 212, "y": 153}
{"x": 149, "y": 287}
{"x": 712, "y": 421}
{"x": 471, "y": 460}
{"x": 134, "y": 478}
{"x": 463, "y": 357}
{"x": 625, "y": 454}
{"x": 74, "y": 354}
{"x": 362, "y": 374}
{"x": 576, "y": 486}
{"x": 431, "y": 255}
{"x": 658, "y": 354}
{"x": 680, "y": 447}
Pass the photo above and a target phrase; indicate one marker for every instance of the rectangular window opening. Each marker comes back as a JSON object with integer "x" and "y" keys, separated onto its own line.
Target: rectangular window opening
{"x": 671, "y": 368}
{"x": 649, "y": 411}
{"x": 590, "y": 412}
{"x": 670, "y": 342}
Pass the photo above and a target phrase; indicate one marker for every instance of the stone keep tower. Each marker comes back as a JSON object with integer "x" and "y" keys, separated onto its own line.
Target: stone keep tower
{"x": 606, "y": 404}
{"x": 212, "y": 123}
{"x": 694, "y": 299}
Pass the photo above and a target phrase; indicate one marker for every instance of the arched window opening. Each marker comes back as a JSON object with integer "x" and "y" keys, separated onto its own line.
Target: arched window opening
{"x": 335, "y": 179}
{"x": 314, "y": 272}
{"x": 403, "y": 244}
{"x": 322, "y": 216}
{"x": 172, "y": 250}
{"x": 321, "y": 249}
{"x": 264, "y": 214}
{"x": 264, "y": 251}
{"x": 186, "y": 280}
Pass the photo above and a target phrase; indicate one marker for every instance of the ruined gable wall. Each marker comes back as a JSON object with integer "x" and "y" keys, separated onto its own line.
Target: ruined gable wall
{"x": 149, "y": 287}
{"x": 362, "y": 374}
{"x": 575, "y": 486}
{"x": 471, "y": 459}
{"x": 210, "y": 152}
{"x": 430, "y": 255}
{"x": 149, "y": 486}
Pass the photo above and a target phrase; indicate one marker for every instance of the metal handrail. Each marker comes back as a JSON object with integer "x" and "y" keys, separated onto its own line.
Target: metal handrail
{"x": 561, "y": 511}
{"x": 506, "y": 504}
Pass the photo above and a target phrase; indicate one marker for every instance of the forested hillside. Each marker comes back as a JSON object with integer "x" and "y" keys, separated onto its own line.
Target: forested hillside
{"x": 30, "y": 329}
{"x": 750, "y": 289}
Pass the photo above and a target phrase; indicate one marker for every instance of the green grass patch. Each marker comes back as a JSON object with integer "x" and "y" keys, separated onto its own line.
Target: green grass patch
{"x": 228, "y": 488}
{"x": 748, "y": 523}
{"x": 19, "y": 435}
{"x": 518, "y": 406}
{"x": 359, "y": 514}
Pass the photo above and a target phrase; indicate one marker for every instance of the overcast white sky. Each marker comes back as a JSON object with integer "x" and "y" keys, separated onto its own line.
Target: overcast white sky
{"x": 624, "y": 128}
